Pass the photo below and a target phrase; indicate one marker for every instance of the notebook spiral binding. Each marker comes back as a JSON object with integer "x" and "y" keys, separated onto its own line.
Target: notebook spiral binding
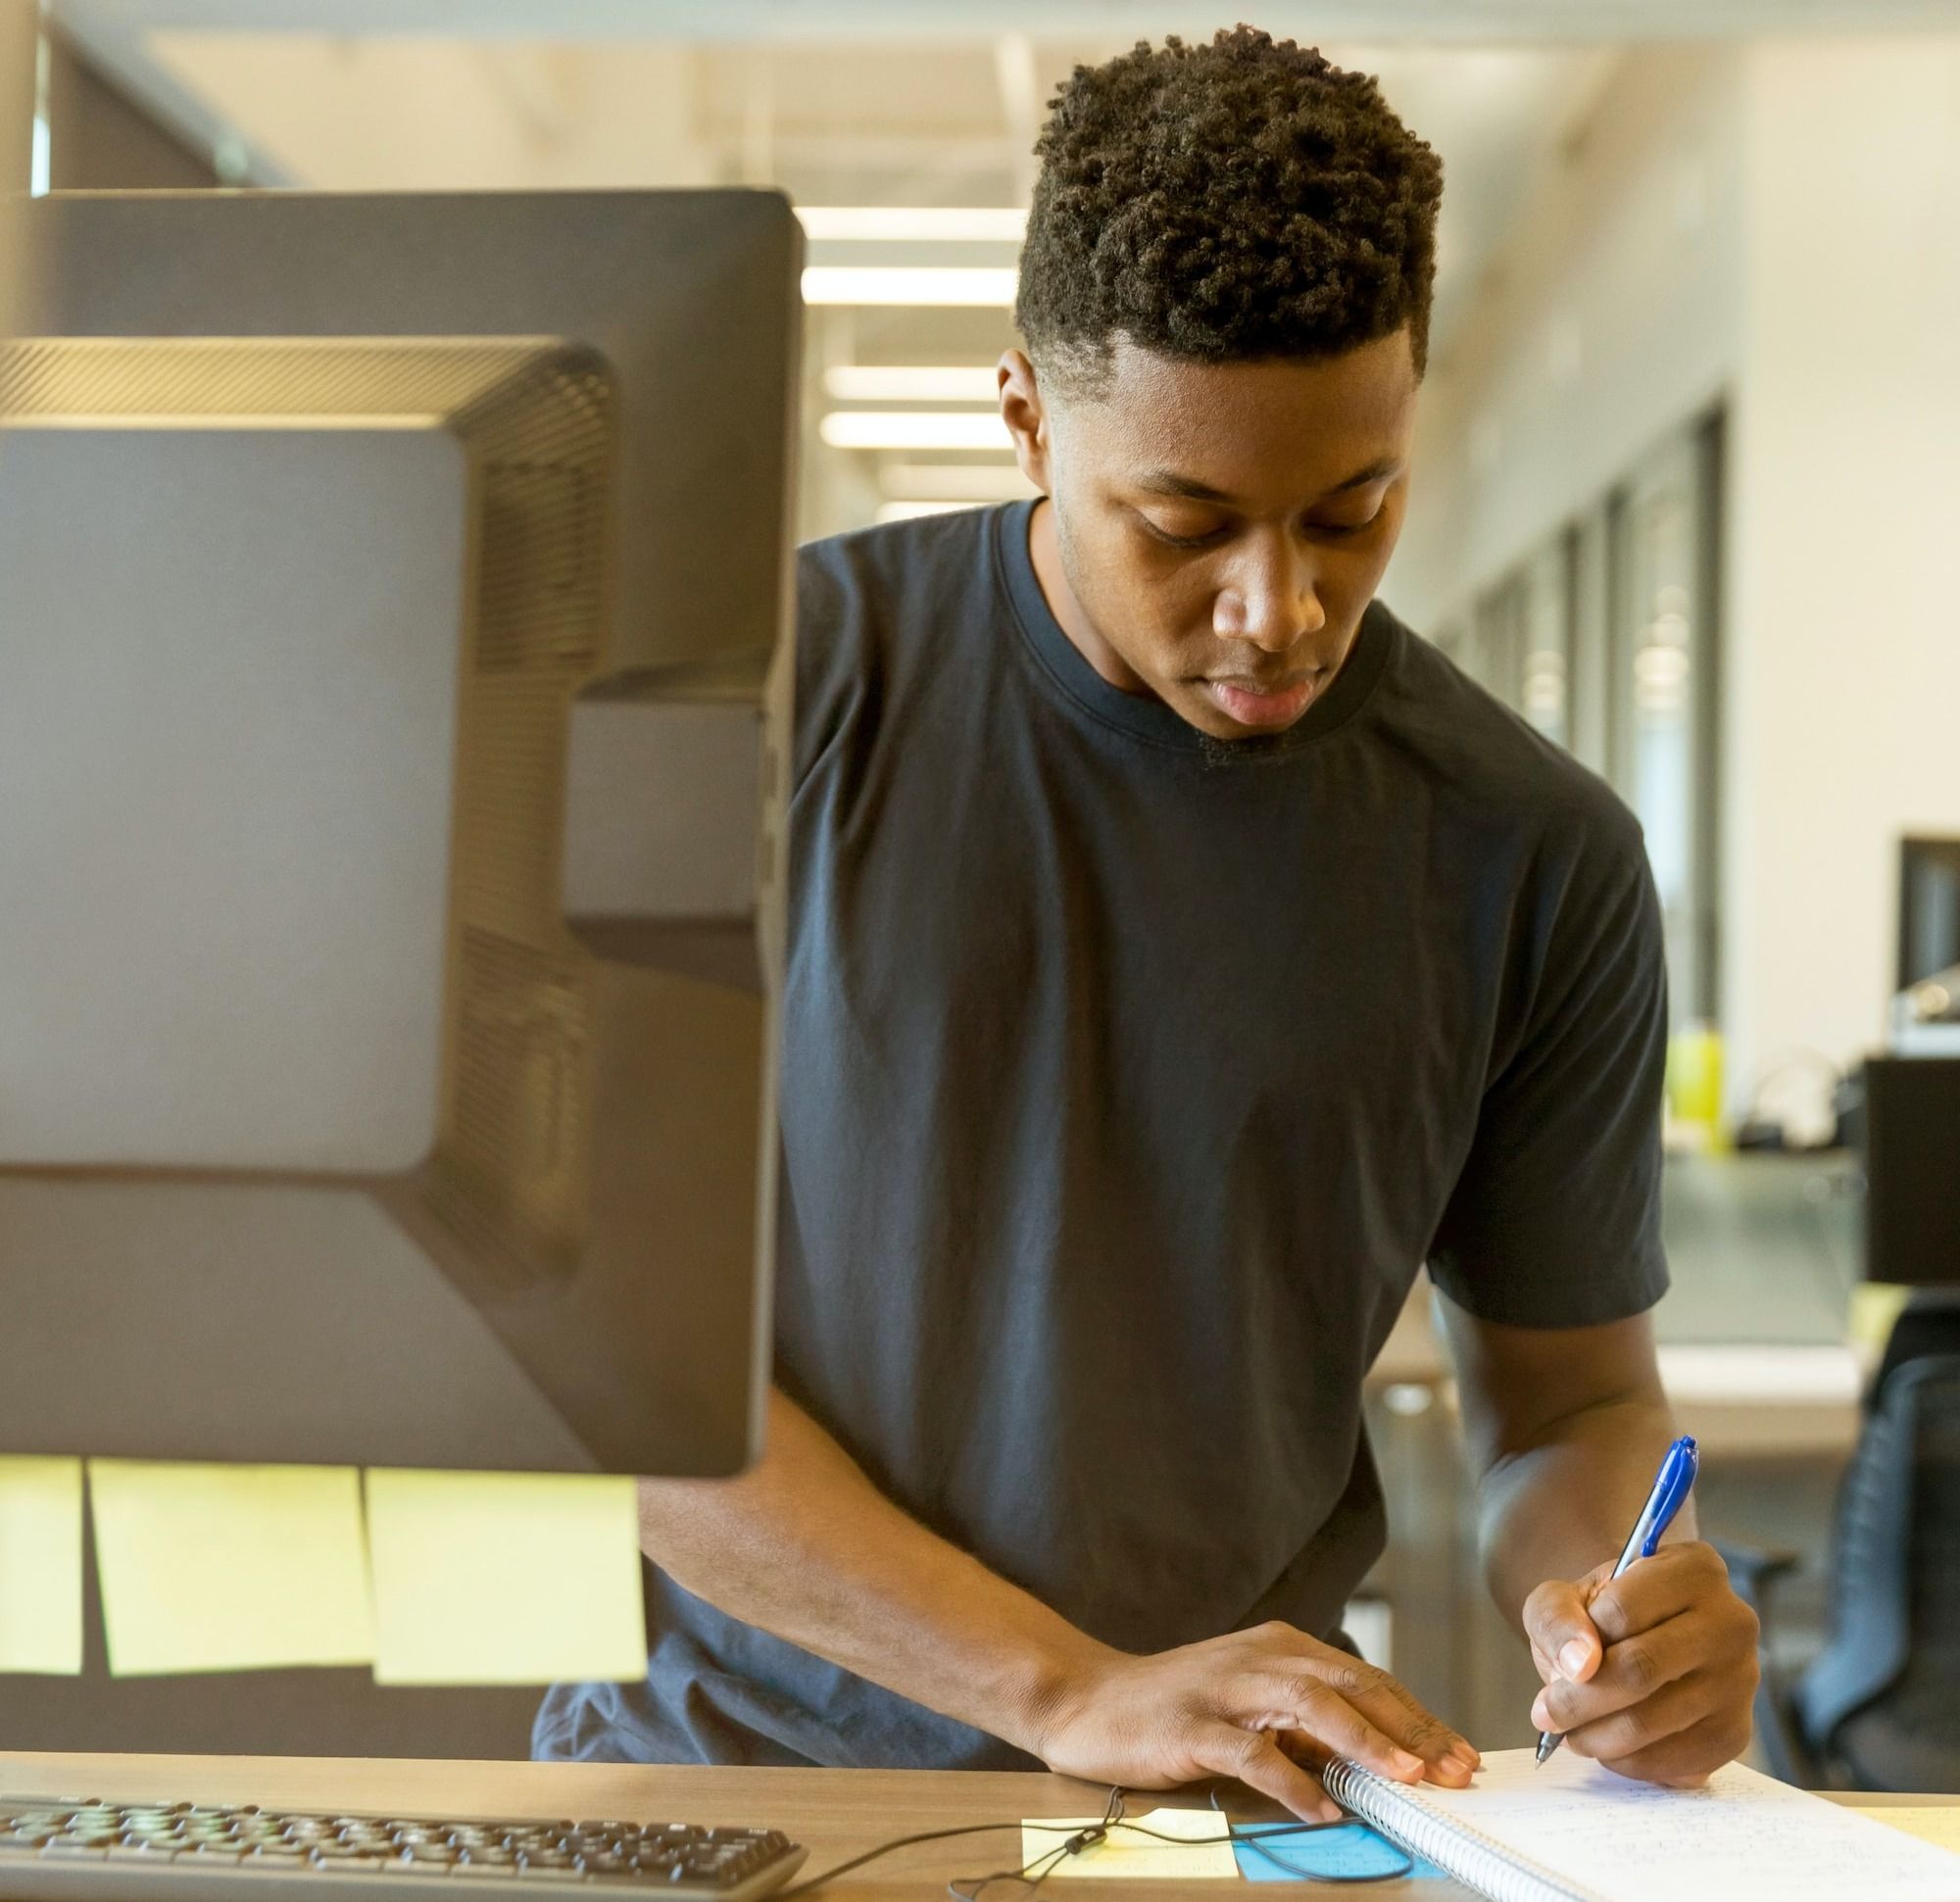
{"x": 1466, "y": 1853}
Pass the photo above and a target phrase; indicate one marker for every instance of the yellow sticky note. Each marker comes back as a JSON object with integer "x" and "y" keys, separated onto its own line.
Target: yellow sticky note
{"x": 1929, "y": 1822}
{"x": 229, "y": 1568}
{"x": 40, "y": 1566}
{"x": 505, "y": 1578}
{"x": 1201, "y": 1848}
{"x": 1874, "y": 1307}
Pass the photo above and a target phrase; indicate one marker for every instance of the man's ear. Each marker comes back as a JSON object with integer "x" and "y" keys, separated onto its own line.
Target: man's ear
{"x": 1024, "y": 411}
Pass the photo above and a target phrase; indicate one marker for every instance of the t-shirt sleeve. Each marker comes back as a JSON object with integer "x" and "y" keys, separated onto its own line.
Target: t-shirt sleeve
{"x": 823, "y": 654}
{"x": 1554, "y": 1221}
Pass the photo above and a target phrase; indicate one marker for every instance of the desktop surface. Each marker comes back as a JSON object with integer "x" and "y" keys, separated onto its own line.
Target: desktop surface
{"x": 835, "y": 1813}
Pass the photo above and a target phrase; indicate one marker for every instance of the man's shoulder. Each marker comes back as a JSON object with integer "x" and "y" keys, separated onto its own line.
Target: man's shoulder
{"x": 870, "y": 602}
{"x": 866, "y": 568}
{"x": 1480, "y": 753}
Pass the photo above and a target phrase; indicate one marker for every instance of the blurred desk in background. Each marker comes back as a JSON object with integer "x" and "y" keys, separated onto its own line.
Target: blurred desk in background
{"x": 1754, "y": 1337}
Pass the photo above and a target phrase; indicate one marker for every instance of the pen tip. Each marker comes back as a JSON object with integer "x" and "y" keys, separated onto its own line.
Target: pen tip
{"x": 1544, "y": 1749}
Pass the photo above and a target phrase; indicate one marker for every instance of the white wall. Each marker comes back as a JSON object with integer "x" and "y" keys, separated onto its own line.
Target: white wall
{"x": 1844, "y": 709}
{"x": 1780, "y": 224}
{"x": 1615, "y": 309}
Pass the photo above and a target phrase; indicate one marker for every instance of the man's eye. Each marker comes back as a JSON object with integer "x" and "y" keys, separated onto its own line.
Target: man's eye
{"x": 1344, "y": 527}
{"x": 1200, "y": 539}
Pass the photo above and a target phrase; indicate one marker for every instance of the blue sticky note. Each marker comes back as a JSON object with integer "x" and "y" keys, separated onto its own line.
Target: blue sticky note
{"x": 1352, "y": 1849}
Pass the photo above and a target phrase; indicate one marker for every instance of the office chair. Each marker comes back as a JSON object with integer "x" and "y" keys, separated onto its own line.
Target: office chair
{"x": 1879, "y": 1707}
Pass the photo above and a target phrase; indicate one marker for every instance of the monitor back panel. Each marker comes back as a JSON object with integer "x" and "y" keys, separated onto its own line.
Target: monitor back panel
{"x": 495, "y": 1185}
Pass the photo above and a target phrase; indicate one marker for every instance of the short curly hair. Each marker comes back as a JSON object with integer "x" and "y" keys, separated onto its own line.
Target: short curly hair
{"x": 1242, "y": 200}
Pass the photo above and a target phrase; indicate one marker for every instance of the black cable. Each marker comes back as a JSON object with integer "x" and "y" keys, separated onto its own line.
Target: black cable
{"x": 1032, "y": 1874}
{"x": 813, "y": 1882}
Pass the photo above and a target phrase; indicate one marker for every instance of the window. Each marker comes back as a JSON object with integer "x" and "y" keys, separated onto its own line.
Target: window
{"x": 1604, "y": 639}
{"x": 1661, "y": 675}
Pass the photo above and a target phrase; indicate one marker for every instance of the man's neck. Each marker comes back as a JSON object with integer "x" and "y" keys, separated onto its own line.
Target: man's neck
{"x": 1045, "y": 552}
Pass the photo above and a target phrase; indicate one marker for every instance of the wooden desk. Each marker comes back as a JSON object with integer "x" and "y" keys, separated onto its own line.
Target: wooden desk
{"x": 835, "y": 1813}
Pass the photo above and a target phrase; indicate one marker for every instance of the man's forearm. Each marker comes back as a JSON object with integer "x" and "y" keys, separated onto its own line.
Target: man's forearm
{"x": 804, "y": 1546}
{"x": 1563, "y": 1505}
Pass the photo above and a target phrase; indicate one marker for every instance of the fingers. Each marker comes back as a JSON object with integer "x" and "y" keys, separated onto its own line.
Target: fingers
{"x": 1565, "y": 1642}
{"x": 1688, "y": 1757}
{"x": 1258, "y": 1763}
{"x": 1400, "y": 1717}
{"x": 1632, "y": 1672}
{"x": 1675, "y": 1580}
{"x": 1681, "y": 1658}
{"x": 1331, "y": 1726}
{"x": 1350, "y": 1708}
{"x": 1625, "y": 1733}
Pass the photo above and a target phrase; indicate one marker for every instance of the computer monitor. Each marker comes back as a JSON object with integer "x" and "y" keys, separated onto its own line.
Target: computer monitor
{"x": 392, "y": 763}
{"x": 1911, "y": 1138}
{"x": 1928, "y": 932}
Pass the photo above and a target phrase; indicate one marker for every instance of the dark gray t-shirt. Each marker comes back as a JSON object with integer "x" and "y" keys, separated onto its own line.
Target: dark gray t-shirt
{"x": 1125, "y": 1088}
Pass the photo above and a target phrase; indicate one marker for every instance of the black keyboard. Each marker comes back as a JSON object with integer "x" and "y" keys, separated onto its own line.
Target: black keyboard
{"x": 53, "y": 1849}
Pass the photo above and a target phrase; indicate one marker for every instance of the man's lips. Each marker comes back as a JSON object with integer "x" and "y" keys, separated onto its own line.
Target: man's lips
{"x": 1251, "y": 704}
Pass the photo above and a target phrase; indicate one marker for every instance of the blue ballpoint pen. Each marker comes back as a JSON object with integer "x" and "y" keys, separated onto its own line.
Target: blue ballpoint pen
{"x": 1670, "y": 1488}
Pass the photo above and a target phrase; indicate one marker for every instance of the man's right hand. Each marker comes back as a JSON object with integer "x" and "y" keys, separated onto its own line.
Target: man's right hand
{"x": 1256, "y": 1705}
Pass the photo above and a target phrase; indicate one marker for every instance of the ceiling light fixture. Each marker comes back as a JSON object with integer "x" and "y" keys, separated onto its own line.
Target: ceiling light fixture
{"x": 907, "y": 511}
{"x": 914, "y": 429}
{"x": 911, "y": 383}
{"x": 915, "y": 223}
{"x": 914, "y": 284}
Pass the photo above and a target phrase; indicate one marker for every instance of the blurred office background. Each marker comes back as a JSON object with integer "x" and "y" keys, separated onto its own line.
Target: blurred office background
{"x": 1689, "y": 473}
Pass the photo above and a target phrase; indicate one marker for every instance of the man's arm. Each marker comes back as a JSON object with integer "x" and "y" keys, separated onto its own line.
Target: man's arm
{"x": 805, "y": 1547}
{"x": 1653, "y": 1675}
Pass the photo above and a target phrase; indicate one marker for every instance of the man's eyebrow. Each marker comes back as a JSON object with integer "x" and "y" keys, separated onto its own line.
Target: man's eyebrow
{"x": 1169, "y": 482}
{"x": 1373, "y": 472}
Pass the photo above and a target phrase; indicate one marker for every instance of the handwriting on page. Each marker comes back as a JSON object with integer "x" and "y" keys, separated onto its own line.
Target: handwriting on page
{"x": 1742, "y": 1839}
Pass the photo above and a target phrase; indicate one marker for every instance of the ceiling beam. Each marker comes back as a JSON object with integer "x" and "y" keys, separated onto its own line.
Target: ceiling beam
{"x": 983, "y": 21}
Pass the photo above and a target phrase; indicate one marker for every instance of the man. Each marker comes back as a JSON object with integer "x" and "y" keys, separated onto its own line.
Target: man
{"x": 1181, "y": 952}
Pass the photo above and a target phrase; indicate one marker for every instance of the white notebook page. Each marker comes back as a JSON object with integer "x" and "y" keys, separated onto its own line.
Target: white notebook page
{"x": 1742, "y": 1839}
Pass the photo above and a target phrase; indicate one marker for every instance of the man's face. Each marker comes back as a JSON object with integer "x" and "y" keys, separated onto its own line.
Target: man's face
{"x": 1222, "y": 527}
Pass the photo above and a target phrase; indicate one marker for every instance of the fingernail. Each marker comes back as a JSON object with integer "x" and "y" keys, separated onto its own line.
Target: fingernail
{"x": 1541, "y": 1712}
{"x": 1408, "y": 1762}
{"x": 1572, "y": 1660}
{"x": 1331, "y": 1811}
{"x": 1463, "y": 1753}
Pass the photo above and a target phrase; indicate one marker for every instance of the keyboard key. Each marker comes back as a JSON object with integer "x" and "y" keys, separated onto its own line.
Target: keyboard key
{"x": 305, "y": 1847}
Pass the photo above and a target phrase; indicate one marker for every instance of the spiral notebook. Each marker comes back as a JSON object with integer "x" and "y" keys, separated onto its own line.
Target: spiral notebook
{"x": 1570, "y": 1832}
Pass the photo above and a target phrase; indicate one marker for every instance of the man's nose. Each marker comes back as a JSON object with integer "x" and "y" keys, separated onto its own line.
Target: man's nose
{"x": 1273, "y": 599}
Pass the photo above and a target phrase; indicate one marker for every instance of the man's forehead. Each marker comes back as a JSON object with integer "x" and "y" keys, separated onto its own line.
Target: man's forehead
{"x": 1226, "y": 428}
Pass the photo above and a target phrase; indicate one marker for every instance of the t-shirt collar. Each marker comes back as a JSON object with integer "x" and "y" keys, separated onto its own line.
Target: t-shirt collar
{"x": 1143, "y": 713}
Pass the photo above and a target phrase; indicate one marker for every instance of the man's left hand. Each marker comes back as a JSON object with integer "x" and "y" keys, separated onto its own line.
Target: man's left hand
{"x": 1652, "y": 1673}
